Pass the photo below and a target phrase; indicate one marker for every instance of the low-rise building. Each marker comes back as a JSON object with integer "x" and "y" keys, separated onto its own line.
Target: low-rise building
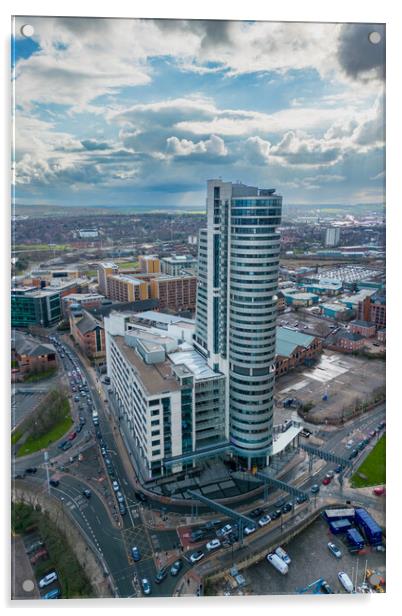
{"x": 296, "y": 298}
{"x": 322, "y": 286}
{"x": 85, "y": 300}
{"x": 364, "y": 328}
{"x": 30, "y": 356}
{"x": 337, "y": 311}
{"x": 348, "y": 341}
{"x": 88, "y": 333}
{"x": 294, "y": 348}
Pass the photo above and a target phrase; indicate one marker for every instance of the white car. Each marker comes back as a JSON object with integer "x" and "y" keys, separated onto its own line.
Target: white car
{"x": 115, "y": 486}
{"x": 196, "y": 556}
{"x": 226, "y": 530}
{"x": 264, "y": 520}
{"x": 249, "y": 529}
{"x": 213, "y": 545}
{"x": 48, "y": 579}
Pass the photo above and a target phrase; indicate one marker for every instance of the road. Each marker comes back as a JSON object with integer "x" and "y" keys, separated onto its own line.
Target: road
{"x": 114, "y": 543}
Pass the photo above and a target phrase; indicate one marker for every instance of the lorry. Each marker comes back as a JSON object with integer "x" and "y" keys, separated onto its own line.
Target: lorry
{"x": 345, "y": 581}
{"x": 339, "y": 526}
{"x": 355, "y": 539}
{"x": 369, "y": 526}
{"x": 95, "y": 417}
{"x": 278, "y": 563}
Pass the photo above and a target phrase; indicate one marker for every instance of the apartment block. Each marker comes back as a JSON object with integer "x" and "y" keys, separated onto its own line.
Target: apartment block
{"x": 126, "y": 288}
{"x": 174, "y": 292}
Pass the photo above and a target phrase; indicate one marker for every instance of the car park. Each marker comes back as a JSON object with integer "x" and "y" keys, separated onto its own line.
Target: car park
{"x": 195, "y": 557}
{"x": 146, "y": 586}
{"x": 264, "y": 520}
{"x": 48, "y": 579}
{"x": 333, "y": 548}
{"x": 136, "y": 554}
{"x": 213, "y": 545}
{"x": 176, "y": 567}
{"x": 161, "y": 575}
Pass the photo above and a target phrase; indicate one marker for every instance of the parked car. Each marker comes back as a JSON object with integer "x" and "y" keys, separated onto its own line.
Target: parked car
{"x": 146, "y": 586}
{"x": 48, "y": 579}
{"x": 275, "y": 514}
{"x": 379, "y": 491}
{"x": 176, "y": 567}
{"x": 256, "y": 513}
{"x": 315, "y": 489}
{"x": 326, "y": 588}
{"x": 54, "y": 482}
{"x": 338, "y": 469}
{"x": 42, "y": 553}
{"x": 195, "y": 557}
{"x": 86, "y": 493}
{"x": 61, "y": 445}
{"x": 161, "y": 575}
{"x": 67, "y": 445}
{"x": 52, "y": 594}
{"x": 334, "y": 549}
{"x": 224, "y": 531}
{"x": 196, "y": 535}
{"x": 122, "y": 509}
{"x": 287, "y": 507}
{"x": 213, "y": 545}
{"x": 115, "y": 486}
{"x": 353, "y": 454}
{"x": 326, "y": 481}
{"x": 264, "y": 520}
{"x": 136, "y": 554}
{"x": 301, "y": 498}
{"x": 248, "y": 530}
{"x": 119, "y": 497}
{"x": 34, "y": 546}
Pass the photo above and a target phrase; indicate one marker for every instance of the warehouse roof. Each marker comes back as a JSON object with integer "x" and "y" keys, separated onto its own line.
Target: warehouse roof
{"x": 287, "y": 340}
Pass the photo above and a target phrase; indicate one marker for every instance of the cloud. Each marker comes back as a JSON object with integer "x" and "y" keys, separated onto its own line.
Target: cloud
{"x": 185, "y": 147}
{"x": 93, "y": 144}
{"x": 358, "y": 57}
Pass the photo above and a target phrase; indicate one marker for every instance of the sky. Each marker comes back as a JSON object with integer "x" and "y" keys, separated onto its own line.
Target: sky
{"x": 143, "y": 112}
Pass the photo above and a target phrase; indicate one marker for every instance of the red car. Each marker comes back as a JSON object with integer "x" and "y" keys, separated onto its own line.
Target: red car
{"x": 326, "y": 481}
{"x": 379, "y": 491}
{"x": 71, "y": 436}
{"x": 42, "y": 553}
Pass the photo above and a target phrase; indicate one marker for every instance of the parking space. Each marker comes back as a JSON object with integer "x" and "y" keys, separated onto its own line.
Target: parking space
{"x": 311, "y": 560}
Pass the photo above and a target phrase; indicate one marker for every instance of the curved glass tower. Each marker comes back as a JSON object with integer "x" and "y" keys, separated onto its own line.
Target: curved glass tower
{"x": 236, "y": 308}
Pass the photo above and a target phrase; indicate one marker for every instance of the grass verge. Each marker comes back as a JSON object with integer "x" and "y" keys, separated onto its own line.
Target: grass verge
{"x": 373, "y": 467}
{"x": 36, "y": 444}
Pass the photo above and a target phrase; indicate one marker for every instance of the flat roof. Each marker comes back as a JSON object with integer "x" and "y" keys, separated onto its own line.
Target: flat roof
{"x": 155, "y": 378}
{"x": 163, "y": 317}
{"x": 285, "y": 438}
{"x": 127, "y": 278}
{"x": 195, "y": 362}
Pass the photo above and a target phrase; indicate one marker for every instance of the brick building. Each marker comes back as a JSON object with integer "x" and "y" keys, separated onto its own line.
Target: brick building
{"x": 294, "y": 348}
{"x": 29, "y": 355}
{"x": 364, "y": 328}
{"x": 89, "y": 334}
{"x": 348, "y": 341}
{"x": 174, "y": 292}
{"x": 105, "y": 270}
{"x": 373, "y": 309}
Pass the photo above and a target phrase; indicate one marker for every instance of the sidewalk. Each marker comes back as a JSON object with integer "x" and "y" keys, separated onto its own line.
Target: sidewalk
{"x": 189, "y": 585}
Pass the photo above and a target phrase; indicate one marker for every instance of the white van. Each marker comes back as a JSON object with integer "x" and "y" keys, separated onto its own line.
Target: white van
{"x": 345, "y": 581}
{"x": 284, "y": 555}
{"x": 278, "y": 563}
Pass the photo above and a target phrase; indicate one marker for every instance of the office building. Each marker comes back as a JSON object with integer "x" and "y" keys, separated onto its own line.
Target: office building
{"x": 178, "y": 264}
{"x": 167, "y": 400}
{"x": 88, "y": 333}
{"x": 332, "y": 236}
{"x": 31, "y": 306}
{"x": 238, "y": 266}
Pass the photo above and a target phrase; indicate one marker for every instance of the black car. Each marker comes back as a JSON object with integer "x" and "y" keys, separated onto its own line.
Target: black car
{"x": 161, "y": 575}
{"x": 66, "y": 445}
{"x": 61, "y": 445}
{"x": 87, "y": 493}
{"x": 287, "y": 507}
{"x": 275, "y": 514}
{"x": 54, "y": 482}
{"x": 196, "y": 535}
{"x": 353, "y": 454}
{"x": 31, "y": 470}
{"x": 98, "y": 434}
{"x": 301, "y": 499}
{"x": 257, "y": 513}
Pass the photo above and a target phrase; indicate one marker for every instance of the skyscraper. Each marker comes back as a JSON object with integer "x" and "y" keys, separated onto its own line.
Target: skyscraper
{"x": 236, "y": 309}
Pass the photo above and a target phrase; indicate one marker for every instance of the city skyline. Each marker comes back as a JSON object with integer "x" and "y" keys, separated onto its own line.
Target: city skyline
{"x": 142, "y": 112}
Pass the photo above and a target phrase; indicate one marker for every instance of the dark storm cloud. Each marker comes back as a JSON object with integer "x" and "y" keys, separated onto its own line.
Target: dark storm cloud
{"x": 357, "y": 55}
{"x": 212, "y": 32}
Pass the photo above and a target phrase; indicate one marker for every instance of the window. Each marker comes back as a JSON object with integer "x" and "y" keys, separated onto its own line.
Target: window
{"x": 153, "y": 413}
{"x": 154, "y": 402}
{"x": 155, "y": 422}
{"x": 156, "y": 442}
{"x": 155, "y": 432}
